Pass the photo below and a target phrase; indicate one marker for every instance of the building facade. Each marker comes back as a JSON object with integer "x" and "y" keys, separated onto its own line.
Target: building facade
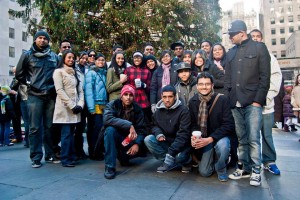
{"x": 14, "y": 38}
{"x": 279, "y": 20}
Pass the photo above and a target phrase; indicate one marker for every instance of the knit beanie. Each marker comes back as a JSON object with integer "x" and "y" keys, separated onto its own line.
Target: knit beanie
{"x": 127, "y": 88}
{"x": 41, "y": 33}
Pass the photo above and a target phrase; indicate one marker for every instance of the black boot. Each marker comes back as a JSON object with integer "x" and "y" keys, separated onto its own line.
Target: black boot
{"x": 293, "y": 128}
{"x": 286, "y": 128}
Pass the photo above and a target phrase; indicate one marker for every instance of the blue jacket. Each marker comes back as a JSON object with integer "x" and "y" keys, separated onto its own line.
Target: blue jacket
{"x": 95, "y": 88}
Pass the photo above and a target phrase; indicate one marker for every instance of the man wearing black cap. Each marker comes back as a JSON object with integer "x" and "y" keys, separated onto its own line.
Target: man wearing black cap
{"x": 247, "y": 81}
{"x": 186, "y": 86}
{"x": 178, "y": 48}
{"x": 35, "y": 69}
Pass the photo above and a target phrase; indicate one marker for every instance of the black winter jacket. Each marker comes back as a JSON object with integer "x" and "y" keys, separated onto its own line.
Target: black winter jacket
{"x": 247, "y": 76}
{"x": 174, "y": 124}
{"x": 220, "y": 122}
{"x": 35, "y": 69}
{"x": 113, "y": 117}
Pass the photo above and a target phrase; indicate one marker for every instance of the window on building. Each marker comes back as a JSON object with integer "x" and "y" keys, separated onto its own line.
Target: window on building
{"x": 272, "y": 20}
{"x": 283, "y": 53}
{"x": 281, "y": 19}
{"x": 291, "y": 18}
{"x": 24, "y": 36}
{"x": 273, "y": 41}
{"x": 10, "y": 72}
{"x": 272, "y": 11}
{"x": 299, "y": 28}
{"x": 281, "y": 9}
{"x": 34, "y": 20}
{"x": 273, "y": 31}
{"x": 271, "y": 1}
{"x": 290, "y": 8}
{"x": 24, "y": 20}
{"x": 11, "y": 52}
{"x": 12, "y": 33}
{"x": 10, "y": 15}
{"x": 274, "y": 53}
{"x": 282, "y": 30}
{"x": 291, "y": 29}
{"x": 282, "y": 40}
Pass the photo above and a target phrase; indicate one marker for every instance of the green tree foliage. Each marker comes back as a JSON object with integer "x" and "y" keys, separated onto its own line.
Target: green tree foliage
{"x": 100, "y": 24}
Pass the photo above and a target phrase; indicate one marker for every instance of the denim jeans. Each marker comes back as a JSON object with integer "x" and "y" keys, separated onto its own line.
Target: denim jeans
{"x": 40, "y": 112}
{"x": 114, "y": 148}
{"x": 268, "y": 148}
{"x": 4, "y": 132}
{"x": 67, "y": 154}
{"x": 160, "y": 149}
{"x": 25, "y": 116}
{"x": 248, "y": 123}
{"x": 208, "y": 164}
{"x": 95, "y": 123}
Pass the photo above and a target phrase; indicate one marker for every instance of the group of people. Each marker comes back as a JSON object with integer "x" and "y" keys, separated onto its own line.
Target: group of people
{"x": 153, "y": 105}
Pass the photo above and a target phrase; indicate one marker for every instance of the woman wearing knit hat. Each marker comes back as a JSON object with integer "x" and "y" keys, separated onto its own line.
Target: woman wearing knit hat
{"x": 96, "y": 99}
{"x": 139, "y": 76}
{"x": 151, "y": 63}
{"x": 115, "y": 75}
{"x": 6, "y": 114}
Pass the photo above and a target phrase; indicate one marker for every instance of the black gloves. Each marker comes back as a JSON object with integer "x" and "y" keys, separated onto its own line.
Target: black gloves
{"x": 77, "y": 109}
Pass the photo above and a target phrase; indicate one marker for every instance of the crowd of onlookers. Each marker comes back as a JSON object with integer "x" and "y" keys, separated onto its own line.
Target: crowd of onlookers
{"x": 157, "y": 104}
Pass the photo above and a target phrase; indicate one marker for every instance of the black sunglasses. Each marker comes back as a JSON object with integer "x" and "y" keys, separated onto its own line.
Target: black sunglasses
{"x": 92, "y": 55}
{"x": 232, "y": 34}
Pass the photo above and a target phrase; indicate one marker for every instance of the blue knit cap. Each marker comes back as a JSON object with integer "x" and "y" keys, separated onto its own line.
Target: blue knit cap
{"x": 41, "y": 33}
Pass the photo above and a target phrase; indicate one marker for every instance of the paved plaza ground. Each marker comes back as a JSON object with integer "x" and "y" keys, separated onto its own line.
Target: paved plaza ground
{"x": 141, "y": 181}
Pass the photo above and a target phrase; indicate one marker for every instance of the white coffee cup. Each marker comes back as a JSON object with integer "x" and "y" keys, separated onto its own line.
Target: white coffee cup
{"x": 197, "y": 134}
{"x": 122, "y": 76}
{"x": 137, "y": 82}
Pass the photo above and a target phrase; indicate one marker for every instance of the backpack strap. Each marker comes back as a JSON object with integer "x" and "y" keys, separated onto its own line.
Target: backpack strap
{"x": 215, "y": 100}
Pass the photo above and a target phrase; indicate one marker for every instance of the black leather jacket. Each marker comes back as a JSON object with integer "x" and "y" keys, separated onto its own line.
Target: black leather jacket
{"x": 35, "y": 69}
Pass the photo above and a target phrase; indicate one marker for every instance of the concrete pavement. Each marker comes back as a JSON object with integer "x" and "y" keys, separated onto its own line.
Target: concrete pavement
{"x": 141, "y": 181}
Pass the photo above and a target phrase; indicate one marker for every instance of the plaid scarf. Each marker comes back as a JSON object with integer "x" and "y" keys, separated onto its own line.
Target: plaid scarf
{"x": 203, "y": 113}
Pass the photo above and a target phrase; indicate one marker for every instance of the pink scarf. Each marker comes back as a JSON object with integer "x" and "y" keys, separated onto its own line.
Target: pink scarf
{"x": 166, "y": 75}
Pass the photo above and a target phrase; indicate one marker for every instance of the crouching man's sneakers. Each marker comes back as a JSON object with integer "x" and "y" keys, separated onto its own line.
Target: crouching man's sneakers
{"x": 167, "y": 165}
{"x": 36, "y": 164}
{"x": 238, "y": 174}
{"x": 255, "y": 178}
{"x": 110, "y": 173}
{"x": 272, "y": 168}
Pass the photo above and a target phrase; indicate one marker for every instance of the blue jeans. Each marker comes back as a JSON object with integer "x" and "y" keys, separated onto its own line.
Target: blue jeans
{"x": 248, "y": 123}
{"x": 40, "y": 112}
{"x": 67, "y": 154}
{"x": 160, "y": 149}
{"x": 207, "y": 164}
{"x": 25, "y": 116}
{"x": 268, "y": 148}
{"x": 114, "y": 148}
{"x": 95, "y": 123}
{"x": 4, "y": 132}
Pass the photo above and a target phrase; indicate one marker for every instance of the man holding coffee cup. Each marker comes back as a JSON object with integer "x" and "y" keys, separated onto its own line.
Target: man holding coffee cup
{"x": 211, "y": 114}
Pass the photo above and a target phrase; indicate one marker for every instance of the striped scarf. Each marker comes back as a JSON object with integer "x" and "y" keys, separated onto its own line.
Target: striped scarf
{"x": 3, "y": 110}
{"x": 203, "y": 113}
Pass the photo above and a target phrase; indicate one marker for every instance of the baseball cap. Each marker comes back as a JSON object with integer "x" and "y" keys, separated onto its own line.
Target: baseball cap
{"x": 236, "y": 26}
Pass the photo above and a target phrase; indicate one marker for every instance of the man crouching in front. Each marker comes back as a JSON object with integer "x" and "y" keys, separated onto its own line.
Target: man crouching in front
{"x": 124, "y": 131}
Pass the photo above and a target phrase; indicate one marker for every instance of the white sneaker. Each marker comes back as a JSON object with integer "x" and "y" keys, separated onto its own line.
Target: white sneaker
{"x": 238, "y": 174}
{"x": 255, "y": 178}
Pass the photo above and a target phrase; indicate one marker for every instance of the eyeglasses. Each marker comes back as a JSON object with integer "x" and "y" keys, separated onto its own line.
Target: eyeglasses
{"x": 204, "y": 84}
{"x": 66, "y": 47}
{"x": 92, "y": 55}
{"x": 233, "y": 34}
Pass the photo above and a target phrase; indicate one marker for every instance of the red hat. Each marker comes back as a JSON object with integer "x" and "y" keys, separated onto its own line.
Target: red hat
{"x": 127, "y": 88}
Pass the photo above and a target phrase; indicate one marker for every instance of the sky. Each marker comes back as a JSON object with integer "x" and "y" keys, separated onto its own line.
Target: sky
{"x": 249, "y": 4}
